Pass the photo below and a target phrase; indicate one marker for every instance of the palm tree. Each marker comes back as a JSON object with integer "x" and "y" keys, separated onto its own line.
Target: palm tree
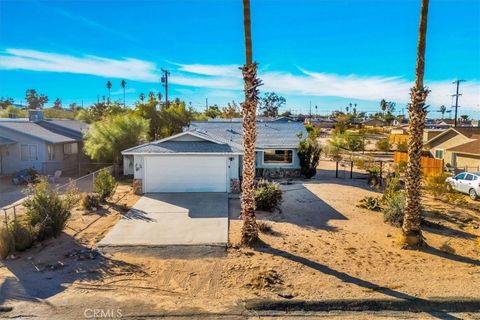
{"x": 109, "y": 87}
{"x": 411, "y": 230}
{"x": 249, "y": 107}
{"x": 123, "y": 84}
{"x": 443, "y": 109}
{"x": 383, "y": 105}
{"x": 142, "y": 96}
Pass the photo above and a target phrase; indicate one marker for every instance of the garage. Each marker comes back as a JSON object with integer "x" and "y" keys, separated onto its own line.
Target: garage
{"x": 186, "y": 174}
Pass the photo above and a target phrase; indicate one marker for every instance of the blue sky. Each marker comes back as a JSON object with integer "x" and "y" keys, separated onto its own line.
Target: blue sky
{"x": 327, "y": 52}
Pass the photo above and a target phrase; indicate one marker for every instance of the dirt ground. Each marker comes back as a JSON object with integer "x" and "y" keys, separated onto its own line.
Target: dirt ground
{"x": 321, "y": 246}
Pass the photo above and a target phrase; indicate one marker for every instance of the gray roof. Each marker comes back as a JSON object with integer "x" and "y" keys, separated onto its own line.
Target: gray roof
{"x": 5, "y": 141}
{"x": 35, "y": 130}
{"x": 269, "y": 134}
{"x": 185, "y": 147}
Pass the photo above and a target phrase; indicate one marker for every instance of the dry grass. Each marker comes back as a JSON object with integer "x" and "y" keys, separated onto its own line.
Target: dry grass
{"x": 264, "y": 227}
{"x": 7, "y": 243}
{"x": 447, "y": 248}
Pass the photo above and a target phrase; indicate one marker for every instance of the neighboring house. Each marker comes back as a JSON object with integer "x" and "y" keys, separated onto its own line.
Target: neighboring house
{"x": 207, "y": 157}
{"x": 459, "y": 147}
{"x": 45, "y": 145}
{"x": 376, "y": 123}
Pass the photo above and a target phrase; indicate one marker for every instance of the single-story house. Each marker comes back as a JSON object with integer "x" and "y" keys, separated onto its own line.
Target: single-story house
{"x": 41, "y": 144}
{"x": 375, "y": 123}
{"x": 459, "y": 147}
{"x": 207, "y": 157}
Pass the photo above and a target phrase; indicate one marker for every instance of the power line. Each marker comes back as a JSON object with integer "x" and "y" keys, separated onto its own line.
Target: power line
{"x": 456, "y": 99}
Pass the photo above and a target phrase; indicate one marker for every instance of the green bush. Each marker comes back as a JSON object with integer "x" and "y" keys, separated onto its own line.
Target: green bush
{"x": 436, "y": 185}
{"x": 383, "y": 145}
{"x": 47, "y": 211}
{"x": 7, "y": 243}
{"x": 90, "y": 201}
{"x": 264, "y": 227}
{"x": 104, "y": 184}
{"x": 23, "y": 235}
{"x": 370, "y": 203}
{"x": 402, "y": 146}
{"x": 268, "y": 195}
{"x": 394, "y": 207}
{"x": 309, "y": 155}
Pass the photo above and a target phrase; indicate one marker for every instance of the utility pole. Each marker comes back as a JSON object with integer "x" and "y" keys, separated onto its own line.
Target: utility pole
{"x": 165, "y": 75}
{"x": 310, "y": 109}
{"x": 456, "y": 99}
{"x": 206, "y": 104}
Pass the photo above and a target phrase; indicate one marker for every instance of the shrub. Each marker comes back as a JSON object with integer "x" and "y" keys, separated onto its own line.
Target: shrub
{"x": 309, "y": 155}
{"x": 23, "y": 235}
{"x": 268, "y": 195}
{"x": 47, "y": 211}
{"x": 104, "y": 184}
{"x": 370, "y": 203}
{"x": 264, "y": 227}
{"x": 7, "y": 243}
{"x": 90, "y": 201}
{"x": 383, "y": 145}
{"x": 436, "y": 186}
{"x": 394, "y": 208}
{"x": 447, "y": 248}
{"x": 402, "y": 146}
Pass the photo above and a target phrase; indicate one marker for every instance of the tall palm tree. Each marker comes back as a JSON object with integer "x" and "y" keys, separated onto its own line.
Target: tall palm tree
{"x": 109, "y": 87}
{"x": 383, "y": 105}
{"x": 142, "y": 96}
{"x": 123, "y": 84}
{"x": 412, "y": 233}
{"x": 249, "y": 107}
{"x": 443, "y": 109}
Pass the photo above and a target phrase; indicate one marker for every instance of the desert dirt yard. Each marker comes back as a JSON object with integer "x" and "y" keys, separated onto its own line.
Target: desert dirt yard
{"x": 322, "y": 246}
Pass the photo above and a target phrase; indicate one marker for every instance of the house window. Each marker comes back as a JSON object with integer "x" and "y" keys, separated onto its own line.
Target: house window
{"x": 70, "y": 148}
{"x": 51, "y": 152}
{"x": 28, "y": 152}
{"x": 439, "y": 154}
{"x": 277, "y": 156}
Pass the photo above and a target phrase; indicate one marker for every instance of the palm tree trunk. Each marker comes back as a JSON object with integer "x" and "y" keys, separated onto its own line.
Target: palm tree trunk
{"x": 411, "y": 229}
{"x": 249, "y": 71}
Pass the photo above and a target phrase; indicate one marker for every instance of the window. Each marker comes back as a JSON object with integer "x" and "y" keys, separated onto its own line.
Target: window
{"x": 460, "y": 176}
{"x": 277, "y": 156}
{"x": 70, "y": 148}
{"x": 439, "y": 154}
{"x": 28, "y": 152}
{"x": 469, "y": 177}
{"x": 51, "y": 151}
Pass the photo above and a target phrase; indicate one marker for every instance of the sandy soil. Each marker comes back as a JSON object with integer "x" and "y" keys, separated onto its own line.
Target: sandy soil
{"x": 321, "y": 247}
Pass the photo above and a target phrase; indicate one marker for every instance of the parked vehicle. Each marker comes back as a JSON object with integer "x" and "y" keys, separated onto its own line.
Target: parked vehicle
{"x": 24, "y": 176}
{"x": 465, "y": 182}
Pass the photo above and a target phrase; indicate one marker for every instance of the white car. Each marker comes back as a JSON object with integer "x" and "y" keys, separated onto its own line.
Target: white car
{"x": 465, "y": 182}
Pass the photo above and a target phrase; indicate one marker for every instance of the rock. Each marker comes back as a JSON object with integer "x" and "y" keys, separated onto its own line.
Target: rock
{"x": 389, "y": 235}
{"x": 286, "y": 294}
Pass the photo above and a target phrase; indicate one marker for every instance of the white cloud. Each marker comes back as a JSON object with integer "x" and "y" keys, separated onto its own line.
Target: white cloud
{"x": 211, "y": 70}
{"x": 126, "y": 68}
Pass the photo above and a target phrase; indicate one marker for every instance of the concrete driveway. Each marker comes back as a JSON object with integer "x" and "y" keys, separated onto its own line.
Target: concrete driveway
{"x": 163, "y": 219}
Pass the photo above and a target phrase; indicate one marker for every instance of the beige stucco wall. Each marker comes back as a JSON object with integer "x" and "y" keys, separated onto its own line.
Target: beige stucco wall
{"x": 449, "y": 140}
{"x": 470, "y": 161}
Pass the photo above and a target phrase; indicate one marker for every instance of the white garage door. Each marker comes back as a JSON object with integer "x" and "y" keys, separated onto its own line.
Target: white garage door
{"x": 185, "y": 174}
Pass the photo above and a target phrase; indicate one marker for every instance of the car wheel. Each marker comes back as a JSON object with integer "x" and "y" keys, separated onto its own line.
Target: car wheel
{"x": 473, "y": 194}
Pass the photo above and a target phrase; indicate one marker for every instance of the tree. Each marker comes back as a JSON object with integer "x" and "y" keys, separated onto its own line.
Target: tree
{"x": 270, "y": 103}
{"x": 411, "y": 229}
{"x": 309, "y": 155}
{"x": 123, "y": 84}
{"x": 12, "y": 112}
{"x": 142, "y": 96}
{"x": 464, "y": 118}
{"x": 73, "y": 106}
{"x": 107, "y": 138}
{"x": 148, "y": 110}
{"x": 383, "y": 105}
{"x": 109, "y": 87}
{"x": 231, "y": 111}
{"x": 249, "y": 108}
{"x": 213, "y": 112}
{"x": 5, "y": 102}
{"x": 57, "y": 104}
{"x": 442, "y": 110}
{"x": 35, "y": 100}
{"x": 174, "y": 118}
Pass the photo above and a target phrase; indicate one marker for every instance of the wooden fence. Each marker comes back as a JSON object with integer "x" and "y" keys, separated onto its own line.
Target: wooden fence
{"x": 430, "y": 166}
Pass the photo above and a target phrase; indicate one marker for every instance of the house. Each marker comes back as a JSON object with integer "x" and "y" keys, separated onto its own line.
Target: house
{"x": 459, "y": 147}
{"x": 207, "y": 157}
{"x": 375, "y": 123}
{"x": 42, "y": 144}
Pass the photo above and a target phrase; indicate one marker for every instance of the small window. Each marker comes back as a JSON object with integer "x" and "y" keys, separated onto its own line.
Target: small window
{"x": 28, "y": 152}
{"x": 51, "y": 151}
{"x": 70, "y": 148}
{"x": 439, "y": 154}
{"x": 277, "y": 156}
{"x": 460, "y": 176}
{"x": 475, "y": 178}
{"x": 469, "y": 177}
